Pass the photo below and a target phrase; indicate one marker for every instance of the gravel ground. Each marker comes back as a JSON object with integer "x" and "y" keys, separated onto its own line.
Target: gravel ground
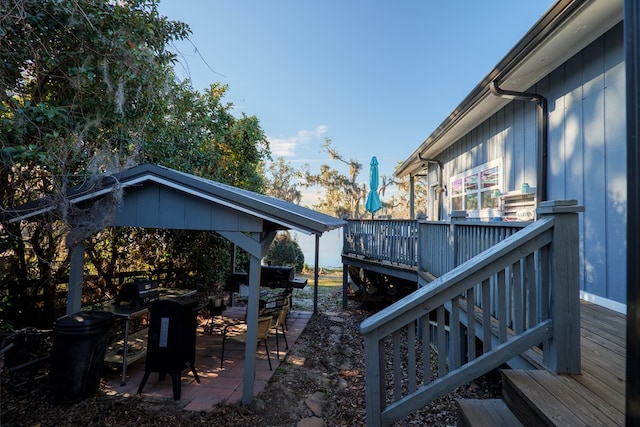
{"x": 327, "y": 358}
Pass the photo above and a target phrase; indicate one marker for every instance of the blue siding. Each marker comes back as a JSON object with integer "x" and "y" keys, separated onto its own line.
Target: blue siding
{"x": 589, "y": 135}
{"x": 615, "y": 165}
{"x": 594, "y": 268}
{"x": 586, "y": 154}
{"x": 164, "y": 207}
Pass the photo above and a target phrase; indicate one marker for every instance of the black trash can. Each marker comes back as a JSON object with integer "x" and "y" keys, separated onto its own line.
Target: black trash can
{"x": 79, "y": 345}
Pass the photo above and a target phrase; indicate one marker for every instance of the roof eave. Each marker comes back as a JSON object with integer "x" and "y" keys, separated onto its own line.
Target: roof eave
{"x": 566, "y": 28}
{"x": 306, "y": 220}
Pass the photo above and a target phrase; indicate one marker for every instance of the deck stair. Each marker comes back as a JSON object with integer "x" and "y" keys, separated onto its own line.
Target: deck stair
{"x": 538, "y": 397}
{"x": 485, "y": 412}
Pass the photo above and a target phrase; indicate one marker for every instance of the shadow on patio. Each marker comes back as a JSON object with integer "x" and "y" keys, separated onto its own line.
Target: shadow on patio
{"x": 216, "y": 384}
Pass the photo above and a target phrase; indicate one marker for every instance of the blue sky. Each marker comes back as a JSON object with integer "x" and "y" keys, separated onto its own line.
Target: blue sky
{"x": 375, "y": 77}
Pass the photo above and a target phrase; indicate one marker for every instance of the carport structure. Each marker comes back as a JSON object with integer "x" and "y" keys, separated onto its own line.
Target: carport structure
{"x": 154, "y": 196}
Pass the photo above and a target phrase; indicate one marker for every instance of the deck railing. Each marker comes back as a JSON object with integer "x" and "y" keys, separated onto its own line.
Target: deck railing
{"x": 394, "y": 241}
{"x": 442, "y": 245}
{"x": 416, "y": 350}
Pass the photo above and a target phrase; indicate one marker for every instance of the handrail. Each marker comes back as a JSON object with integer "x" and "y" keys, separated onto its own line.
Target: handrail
{"x": 438, "y": 291}
{"x": 511, "y": 295}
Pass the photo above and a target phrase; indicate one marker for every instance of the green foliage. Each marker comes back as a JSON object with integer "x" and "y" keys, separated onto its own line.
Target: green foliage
{"x": 87, "y": 88}
{"x": 342, "y": 194}
{"x": 285, "y": 251}
{"x": 196, "y": 133}
{"x": 281, "y": 181}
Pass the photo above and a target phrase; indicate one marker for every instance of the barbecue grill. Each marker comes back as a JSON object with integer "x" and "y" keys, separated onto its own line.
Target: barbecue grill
{"x": 140, "y": 293}
{"x": 278, "y": 276}
{"x": 171, "y": 343}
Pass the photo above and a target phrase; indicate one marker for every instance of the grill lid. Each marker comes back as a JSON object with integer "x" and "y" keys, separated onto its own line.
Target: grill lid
{"x": 140, "y": 292}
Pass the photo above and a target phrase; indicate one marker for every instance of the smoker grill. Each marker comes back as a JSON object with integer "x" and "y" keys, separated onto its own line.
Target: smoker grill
{"x": 140, "y": 293}
{"x": 272, "y": 276}
{"x": 171, "y": 345}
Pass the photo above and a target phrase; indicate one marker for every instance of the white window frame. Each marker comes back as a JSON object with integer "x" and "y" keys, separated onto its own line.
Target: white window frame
{"x": 474, "y": 187}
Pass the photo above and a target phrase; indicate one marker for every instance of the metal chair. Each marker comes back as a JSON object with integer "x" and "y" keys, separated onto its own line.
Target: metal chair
{"x": 264, "y": 326}
{"x": 272, "y": 305}
{"x": 280, "y": 323}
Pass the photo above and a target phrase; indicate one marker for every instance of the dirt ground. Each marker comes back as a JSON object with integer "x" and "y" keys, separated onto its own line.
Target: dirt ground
{"x": 327, "y": 358}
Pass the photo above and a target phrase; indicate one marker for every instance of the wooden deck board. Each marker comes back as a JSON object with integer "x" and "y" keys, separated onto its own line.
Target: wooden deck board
{"x": 617, "y": 346}
{"x": 597, "y": 395}
{"x": 544, "y": 402}
{"x": 594, "y": 397}
{"x": 485, "y": 412}
{"x": 603, "y": 353}
{"x": 611, "y": 409}
{"x": 606, "y": 359}
{"x": 599, "y": 392}
{"x": 578, "y": 399}
{"x": 612, "y": 333}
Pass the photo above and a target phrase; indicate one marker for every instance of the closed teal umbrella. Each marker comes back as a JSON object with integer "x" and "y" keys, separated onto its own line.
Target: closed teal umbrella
{"x": 373, "y": 203}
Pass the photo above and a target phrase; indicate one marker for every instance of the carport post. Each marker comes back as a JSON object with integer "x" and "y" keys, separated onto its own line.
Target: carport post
{"x": 315, "y": 276}
{"x": 76, "y": 277}
{"x": 252, "y": 330}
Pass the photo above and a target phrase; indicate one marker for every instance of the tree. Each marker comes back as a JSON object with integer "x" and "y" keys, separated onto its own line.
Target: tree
{"x": 87, "y": 89}
{"x": 280, "y": 181}
{"x": 79, "y": 82}
{"x": 196, "y": 133}
{"x": 342, "y": 194}
{"x": 285, "y": 251}
{"x": 398, "y": 204}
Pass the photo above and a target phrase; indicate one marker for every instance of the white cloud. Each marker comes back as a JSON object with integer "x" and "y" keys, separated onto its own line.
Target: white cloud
{"x": 282, "y": 147}
{"x": 286, "y": 147}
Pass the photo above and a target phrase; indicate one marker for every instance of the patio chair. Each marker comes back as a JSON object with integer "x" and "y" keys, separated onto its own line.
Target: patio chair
{"x": 271, "y": 306}
{"x": 264, "y": 326}
{"x": 280, "y": 321}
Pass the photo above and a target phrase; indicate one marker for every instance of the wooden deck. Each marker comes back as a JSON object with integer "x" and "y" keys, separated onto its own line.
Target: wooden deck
{"x": 596, "y": 396}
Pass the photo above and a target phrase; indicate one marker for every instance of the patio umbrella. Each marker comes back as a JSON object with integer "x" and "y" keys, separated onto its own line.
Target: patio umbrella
{"x": 373, "y": 203}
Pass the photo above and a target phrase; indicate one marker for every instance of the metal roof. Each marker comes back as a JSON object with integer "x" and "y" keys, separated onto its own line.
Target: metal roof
{"x": 566, "y": 28}
{"x": 279, "y": 214}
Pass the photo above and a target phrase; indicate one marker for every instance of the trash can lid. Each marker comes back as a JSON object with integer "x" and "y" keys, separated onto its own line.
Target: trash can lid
{"x": 84, "y": 321}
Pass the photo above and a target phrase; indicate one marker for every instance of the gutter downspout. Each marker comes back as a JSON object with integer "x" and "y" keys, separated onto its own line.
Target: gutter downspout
{"x": 543, "y": 130}
{"x": 440, "y": 188}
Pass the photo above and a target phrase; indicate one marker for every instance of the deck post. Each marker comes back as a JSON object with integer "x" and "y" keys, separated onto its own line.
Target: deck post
{"x": 456, "y": 216}
{"x": 374, "y": 378}
{"x": 560, "y": 353}
{"x": 345, "y": 286}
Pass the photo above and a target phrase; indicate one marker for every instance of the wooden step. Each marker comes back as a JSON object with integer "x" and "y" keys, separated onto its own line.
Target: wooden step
{"x": 485, "y": 412}
{"x": 542, "y": 398}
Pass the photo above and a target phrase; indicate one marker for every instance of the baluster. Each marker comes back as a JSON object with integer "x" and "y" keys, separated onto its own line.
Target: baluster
{"x": 502, "y": 307}
{"x": 518, "y": 299}
{"x": 411, "y": 356}
{"x": 397, "y": 365}
{"x": 454, "y": 333}
{"x": 426, "y": 349}
{"x": 471, "y": 325}
{"x": 486, "y": 315}
{"x": 442, "y": 342}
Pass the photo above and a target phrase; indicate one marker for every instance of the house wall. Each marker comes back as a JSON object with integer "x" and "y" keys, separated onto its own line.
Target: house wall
{"x": 586, "y": 156}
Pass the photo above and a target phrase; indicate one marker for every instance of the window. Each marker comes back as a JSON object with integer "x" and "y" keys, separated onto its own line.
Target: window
{"x": 474, "y": 190}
